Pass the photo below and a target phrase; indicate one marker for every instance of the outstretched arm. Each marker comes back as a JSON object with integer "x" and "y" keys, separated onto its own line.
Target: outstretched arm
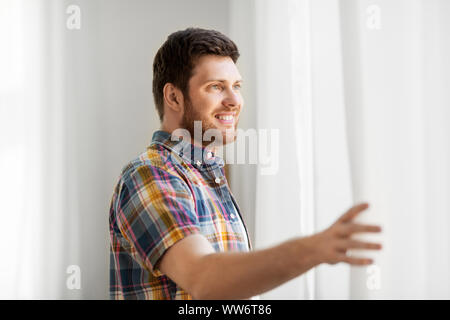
{"x": 194, "y": 265}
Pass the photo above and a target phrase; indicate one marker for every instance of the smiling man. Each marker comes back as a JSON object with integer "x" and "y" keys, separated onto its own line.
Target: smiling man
{"x": 175, "y": 228}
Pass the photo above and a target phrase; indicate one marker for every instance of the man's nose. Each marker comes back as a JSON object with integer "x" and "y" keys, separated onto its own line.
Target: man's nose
{"x": 232, "y": 99}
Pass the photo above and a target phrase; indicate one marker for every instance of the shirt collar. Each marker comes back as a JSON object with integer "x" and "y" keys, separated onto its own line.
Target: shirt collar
{"x": 200, "y": 157}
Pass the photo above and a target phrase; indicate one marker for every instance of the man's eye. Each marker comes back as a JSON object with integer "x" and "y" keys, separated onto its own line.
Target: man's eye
{"x": 238, "y": 86}
{"x": 215, "y": 86}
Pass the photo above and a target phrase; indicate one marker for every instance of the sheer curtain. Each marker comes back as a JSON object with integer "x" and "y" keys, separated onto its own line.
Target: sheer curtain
{"x": 278, "y": 73}
{"x": 297, "y": 59}
{"x": 397, "y": 99}
{"x": 360, "y": 93}
{"x": 41, "y": 212}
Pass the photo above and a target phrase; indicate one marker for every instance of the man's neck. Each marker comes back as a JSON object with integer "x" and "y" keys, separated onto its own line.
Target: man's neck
{"x": 194, "y": 142}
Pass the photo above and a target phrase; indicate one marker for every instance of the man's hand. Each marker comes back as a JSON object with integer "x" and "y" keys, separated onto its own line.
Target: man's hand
{"x": 333, "y": 243}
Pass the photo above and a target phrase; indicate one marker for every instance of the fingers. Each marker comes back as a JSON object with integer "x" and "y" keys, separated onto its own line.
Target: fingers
{"x": 364, "y": 228}
{"x": 355, "y": 261}
{"x": 353, "y": 211}
{"x": 351, "y": 228}
{"x": 355, "y": 244}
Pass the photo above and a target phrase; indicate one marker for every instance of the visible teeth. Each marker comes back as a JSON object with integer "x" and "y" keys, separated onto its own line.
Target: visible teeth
{"x": 225, "y": 117}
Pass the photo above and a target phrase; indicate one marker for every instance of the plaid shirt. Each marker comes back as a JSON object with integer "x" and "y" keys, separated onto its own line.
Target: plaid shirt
{"x": 164, "y": 195}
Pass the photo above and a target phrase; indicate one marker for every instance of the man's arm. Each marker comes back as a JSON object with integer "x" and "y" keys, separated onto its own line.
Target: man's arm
{"x": 193, "y": 264}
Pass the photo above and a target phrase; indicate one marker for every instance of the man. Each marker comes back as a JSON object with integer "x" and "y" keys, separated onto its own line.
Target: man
{"x": 176, "y": 230}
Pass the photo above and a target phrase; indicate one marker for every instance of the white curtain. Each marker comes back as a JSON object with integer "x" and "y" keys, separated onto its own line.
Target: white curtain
{"x": 22, "y": 97}
{"x": 359, "y": 92}
{"x": 279, "y": 73}
{"x": 397, "y": 99}
{"x": 43, "y": 193}
{"x": 14, "y": 141}
{"x": 296, "y": 51}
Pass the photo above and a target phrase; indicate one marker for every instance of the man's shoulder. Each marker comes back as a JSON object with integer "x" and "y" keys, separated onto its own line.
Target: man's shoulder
{"x": 154, "y": 160}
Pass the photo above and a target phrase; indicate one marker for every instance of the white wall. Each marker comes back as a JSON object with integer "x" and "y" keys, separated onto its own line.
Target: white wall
{"x": 243, "y": 176}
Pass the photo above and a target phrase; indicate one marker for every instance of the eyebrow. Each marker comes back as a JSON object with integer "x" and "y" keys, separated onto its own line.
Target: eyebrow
{"x": 222, "y": 80}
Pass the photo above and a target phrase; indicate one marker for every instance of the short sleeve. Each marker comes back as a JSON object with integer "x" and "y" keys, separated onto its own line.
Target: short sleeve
{"x": 156, "y": 210}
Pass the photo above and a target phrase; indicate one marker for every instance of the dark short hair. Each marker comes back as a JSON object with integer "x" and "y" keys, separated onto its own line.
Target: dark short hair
{"x": 176, "y": 59}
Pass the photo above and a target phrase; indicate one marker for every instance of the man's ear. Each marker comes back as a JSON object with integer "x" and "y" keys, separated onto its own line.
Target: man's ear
{"x": 173, "y": 97}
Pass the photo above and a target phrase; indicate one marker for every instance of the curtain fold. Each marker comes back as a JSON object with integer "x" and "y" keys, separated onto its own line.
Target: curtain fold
{"x": 284, "y": 199}
{"x": 297, "y": 58}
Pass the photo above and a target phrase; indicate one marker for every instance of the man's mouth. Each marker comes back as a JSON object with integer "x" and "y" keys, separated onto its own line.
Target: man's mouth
{"x": 225, "y": 118}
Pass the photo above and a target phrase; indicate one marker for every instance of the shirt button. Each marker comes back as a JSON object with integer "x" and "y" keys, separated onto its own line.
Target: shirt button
{"x": 217, "y": 180}
{"x": 232, "y": 216}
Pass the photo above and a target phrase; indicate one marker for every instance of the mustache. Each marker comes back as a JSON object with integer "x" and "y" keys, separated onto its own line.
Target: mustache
{"x": 235, "y": 111}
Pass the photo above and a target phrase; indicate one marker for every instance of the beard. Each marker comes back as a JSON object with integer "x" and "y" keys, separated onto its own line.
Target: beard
{"x": 214, "y": 136}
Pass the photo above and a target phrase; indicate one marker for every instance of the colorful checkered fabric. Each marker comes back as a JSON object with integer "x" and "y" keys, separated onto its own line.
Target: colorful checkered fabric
{"x": 167, "y": 193}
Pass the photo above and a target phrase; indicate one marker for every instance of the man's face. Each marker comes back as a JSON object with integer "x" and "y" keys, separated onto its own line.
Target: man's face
{"x": 214, "y": 97}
